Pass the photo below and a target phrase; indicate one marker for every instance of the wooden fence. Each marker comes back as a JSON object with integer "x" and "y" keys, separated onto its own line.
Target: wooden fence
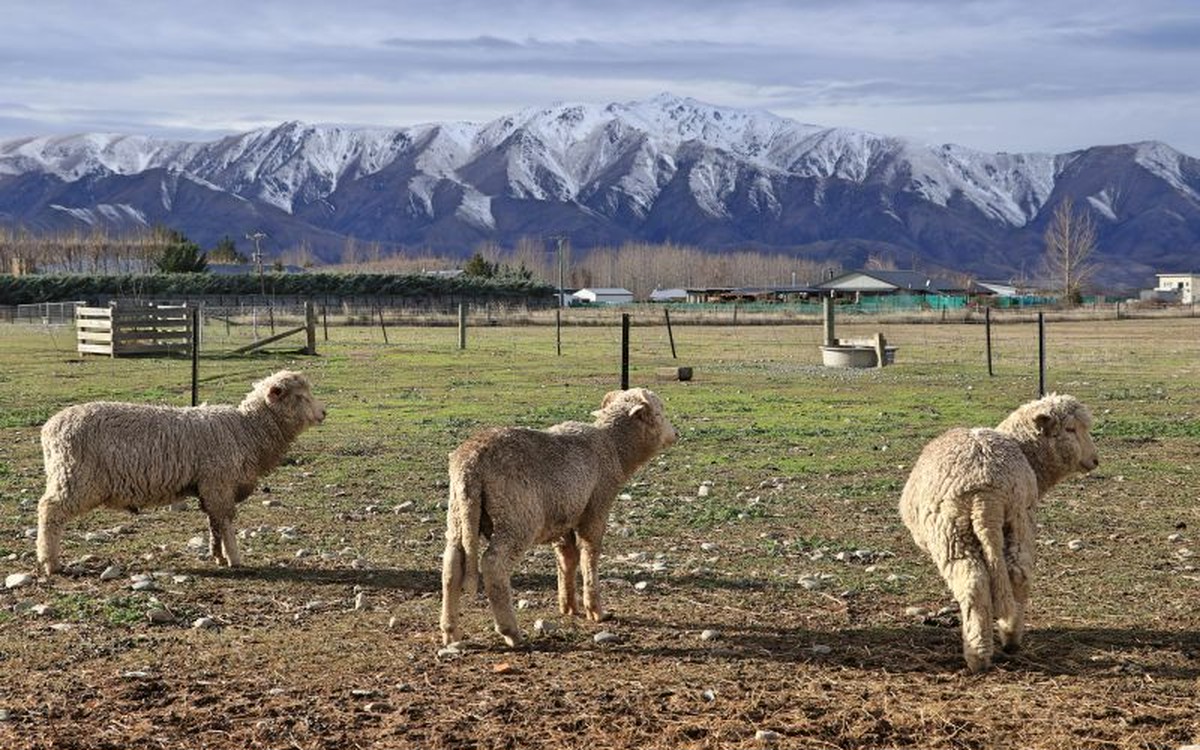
{"x": 133, "y": 329}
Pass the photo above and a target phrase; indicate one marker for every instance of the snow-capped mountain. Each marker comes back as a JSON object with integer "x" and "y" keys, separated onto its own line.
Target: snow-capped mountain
{"x": 662, "y": 169}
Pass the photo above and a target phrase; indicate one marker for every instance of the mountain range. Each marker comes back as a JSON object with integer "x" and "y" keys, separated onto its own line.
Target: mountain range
{"x": 665, "y": 169}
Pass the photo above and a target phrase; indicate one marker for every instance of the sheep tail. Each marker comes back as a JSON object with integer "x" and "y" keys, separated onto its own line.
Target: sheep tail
{"x": 466, "y": 509}
{"x": 991, "y": 542}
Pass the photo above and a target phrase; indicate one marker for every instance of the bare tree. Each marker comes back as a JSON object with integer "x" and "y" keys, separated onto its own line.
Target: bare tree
{"x": 1070, "y": 240}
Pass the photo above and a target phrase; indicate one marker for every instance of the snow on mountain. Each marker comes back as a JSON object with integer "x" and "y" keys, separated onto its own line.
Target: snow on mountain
{"x": 666, "y": 168}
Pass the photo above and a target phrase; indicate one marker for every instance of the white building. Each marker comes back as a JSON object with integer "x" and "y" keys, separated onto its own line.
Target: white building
{"x": 604, "y": 296}
{"x": 1186, "y": 285}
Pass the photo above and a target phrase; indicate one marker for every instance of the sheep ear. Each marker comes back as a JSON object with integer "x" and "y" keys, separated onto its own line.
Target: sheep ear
{"x": 275, "y": 393}
{"x": 1047, "y": 425}
{"x": 637, "y": 409}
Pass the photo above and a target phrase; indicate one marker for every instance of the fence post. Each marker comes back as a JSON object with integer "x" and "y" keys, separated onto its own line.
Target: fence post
{"x": 1041, "y": 354}
{"x": 195, "y": 319}
{"x": 382, "y": 327}
{"x": 670, "y": 336}
{"x": 325, "y": 321}
{"x": 310, "y": 328}
{"x": 987, "y": 326}
{"x": 624, "y": 351}
{"x": 462, "y": 326}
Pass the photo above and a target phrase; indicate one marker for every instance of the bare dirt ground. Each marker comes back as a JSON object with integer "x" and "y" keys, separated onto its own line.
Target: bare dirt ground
{"x": 328, "y": 639}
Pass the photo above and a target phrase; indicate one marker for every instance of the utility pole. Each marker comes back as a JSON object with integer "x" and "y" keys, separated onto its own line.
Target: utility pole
{"x": 258, "y": 259}
{"x": 561, "y": 299}
{"x": 262, "y": 288}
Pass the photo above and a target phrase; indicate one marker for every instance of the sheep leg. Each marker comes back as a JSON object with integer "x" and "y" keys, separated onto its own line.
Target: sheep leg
{"x": 589, "y": 563}
{"x": 454, "y": 561}
{"x": 1019, "y": 557}
{"x": 497, "y": 565}
{"x": 52, "y": 520}
{"x": 969, "y": 582}
{"x": 567, "y": 553}
{"x": 215, "y": 543}
{"x": 222, "y": 541}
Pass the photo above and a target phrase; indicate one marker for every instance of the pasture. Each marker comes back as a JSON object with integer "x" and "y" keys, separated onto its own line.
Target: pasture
{"x": 829, "y": 629}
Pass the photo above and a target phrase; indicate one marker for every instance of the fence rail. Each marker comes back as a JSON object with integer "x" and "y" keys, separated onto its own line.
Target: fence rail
{"x": 141, "y": 329}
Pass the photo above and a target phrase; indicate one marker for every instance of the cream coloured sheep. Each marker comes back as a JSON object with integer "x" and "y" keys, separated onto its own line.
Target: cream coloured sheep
{"x": 969, "y": 503}
{"x": 134, "y": 456}
{"x": 520, "y": 487}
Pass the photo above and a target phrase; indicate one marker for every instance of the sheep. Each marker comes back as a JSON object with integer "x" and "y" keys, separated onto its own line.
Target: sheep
{"x": 134, "y": 456}
{"x": 969, "y": 503}
{"x": 520, "y": 487}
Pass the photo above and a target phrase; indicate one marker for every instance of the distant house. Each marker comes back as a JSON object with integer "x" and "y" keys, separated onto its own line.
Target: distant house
{"x": 669, "y": 295}
{"x": 1186, "y": 286}
{"x": 603, "y": 296}
{"x": 862, "y": 283}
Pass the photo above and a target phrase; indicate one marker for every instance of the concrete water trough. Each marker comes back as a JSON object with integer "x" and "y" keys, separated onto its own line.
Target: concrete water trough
{"x": 856, "y": 355}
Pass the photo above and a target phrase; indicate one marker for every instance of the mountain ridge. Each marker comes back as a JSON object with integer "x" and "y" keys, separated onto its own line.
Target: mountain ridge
{"x": 662, "y": 169}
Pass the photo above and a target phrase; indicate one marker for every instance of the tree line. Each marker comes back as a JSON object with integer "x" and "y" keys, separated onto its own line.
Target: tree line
{"x": 640, "y": 267}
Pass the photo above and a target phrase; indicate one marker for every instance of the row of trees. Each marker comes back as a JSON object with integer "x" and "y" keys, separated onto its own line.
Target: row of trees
{"x": 1070, "y": 240}
{"x": 97, "y": 251}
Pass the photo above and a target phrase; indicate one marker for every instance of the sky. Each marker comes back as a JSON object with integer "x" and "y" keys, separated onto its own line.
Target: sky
{"x": 994, "y": 75}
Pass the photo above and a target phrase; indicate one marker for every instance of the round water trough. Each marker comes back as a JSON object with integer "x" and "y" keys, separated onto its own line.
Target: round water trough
{"x": 844, "y": 355}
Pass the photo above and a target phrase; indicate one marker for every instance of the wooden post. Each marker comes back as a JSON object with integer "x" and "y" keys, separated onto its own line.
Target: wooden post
{"x": 1041, "y": 354}
{"x": 735, "y": 307}
{"x": 271, "y": 317}
{"x": 310, "y": 329}
{"x": 382, "y": 327}
{"x": 462, "y": 325}
{"x": 195, "y": 356}
{"x": 827, "y": 309}
{"x": 624, "y": 351}
{"x": 880, "y": 350}
{"x": 670, "y": 336}
{"x": 325, "y": 320}
{"x": 987, "y": 327}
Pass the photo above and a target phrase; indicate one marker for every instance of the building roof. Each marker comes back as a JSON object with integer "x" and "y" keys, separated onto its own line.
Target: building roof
{"x": 889, "y": 281}
{"x": 605, "y": 291}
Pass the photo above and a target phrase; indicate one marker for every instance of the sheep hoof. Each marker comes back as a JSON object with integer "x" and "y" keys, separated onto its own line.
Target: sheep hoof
{"x": 604, "y": 616}
{"x": 1011, "y": 648}
{"x": 513, "y": 640}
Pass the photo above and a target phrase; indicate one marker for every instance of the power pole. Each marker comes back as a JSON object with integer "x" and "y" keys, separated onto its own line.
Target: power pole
{"x": 258, "y": 259}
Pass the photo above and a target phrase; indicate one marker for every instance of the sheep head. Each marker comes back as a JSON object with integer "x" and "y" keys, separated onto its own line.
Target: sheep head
{"x": 1055, "y": 433}
{"x": 288, "y": 394}
{"x": 644, "y": 409}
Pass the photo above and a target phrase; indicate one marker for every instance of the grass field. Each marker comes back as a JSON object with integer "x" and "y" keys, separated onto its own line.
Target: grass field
{"x": 796, "y": 558}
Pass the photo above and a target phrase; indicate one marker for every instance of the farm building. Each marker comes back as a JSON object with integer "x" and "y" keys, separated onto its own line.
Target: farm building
{"x": 669, "y": 295}
{"x": 751, "y": 294}
{"x": 863, "y": 283}
{"x": 1186, "y": 286}
{"x": 603, "y": 296}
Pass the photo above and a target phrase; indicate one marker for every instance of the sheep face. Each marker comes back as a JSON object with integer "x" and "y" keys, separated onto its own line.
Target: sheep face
{"x": 290, "y": 394}
{"x": 644, "y": 406}
{"x": 1068, "y": 438}
{"x": 1055, "y": 434}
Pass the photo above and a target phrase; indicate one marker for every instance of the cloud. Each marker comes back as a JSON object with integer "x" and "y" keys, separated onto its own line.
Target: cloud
{"x": 873, "y": 64}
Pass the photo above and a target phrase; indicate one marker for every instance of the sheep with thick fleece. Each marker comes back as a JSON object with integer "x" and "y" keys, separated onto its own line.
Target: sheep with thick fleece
{"x": 520, "y": 487}
{"x": 134, "y": 456}
{"x": 969, "y": 503}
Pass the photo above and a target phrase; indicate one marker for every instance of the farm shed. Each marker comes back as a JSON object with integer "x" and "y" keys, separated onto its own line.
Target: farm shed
{"x": 604, "y": 296}
{"x": 668, "y": 295}
{"x": 863, "y": 283}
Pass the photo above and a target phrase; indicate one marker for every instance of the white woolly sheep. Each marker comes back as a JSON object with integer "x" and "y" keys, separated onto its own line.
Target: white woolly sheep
{"x": 969, "y": 503}
{"x": 520, "y": 487}
{"x": 134, "y": 456}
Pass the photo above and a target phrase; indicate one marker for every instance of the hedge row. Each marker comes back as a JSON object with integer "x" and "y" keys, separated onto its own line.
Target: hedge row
{"x": 20, "y": 290}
